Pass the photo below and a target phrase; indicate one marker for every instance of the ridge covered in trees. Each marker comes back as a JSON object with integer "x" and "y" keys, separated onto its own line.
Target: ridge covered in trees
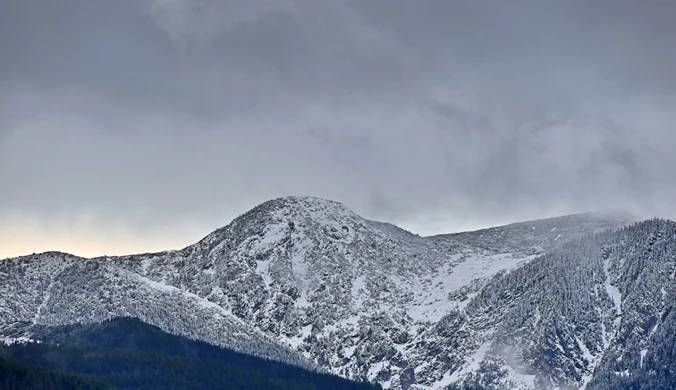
{"x": 16, "y": 376}
{"x": 130, "y": 354}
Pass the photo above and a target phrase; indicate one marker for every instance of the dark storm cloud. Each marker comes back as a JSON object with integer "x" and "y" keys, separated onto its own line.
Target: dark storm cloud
{"x": 437, "y": 114}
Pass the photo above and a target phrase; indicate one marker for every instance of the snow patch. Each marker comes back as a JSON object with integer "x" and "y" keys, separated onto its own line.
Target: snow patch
{"x": 145, "y": 264}
{"x": 375, "y": 369}
{"x": 158, "y": 285}
{"x": 199, "y": 301}
{"x": 586, "y": 354}
{"x": 444, "y": 381}
{"x": 592, "y": 361}
{"x": 358, "y": 286}
{"x": 654, "y": 329}
{"x": 299, "y": 267}
{"x": 612, "y": 291}
{"x": 45, "y": 299}
{"x": 521, "y": 380}
{"x": 295, "y": 342}
{"x": 273, "y": 234}
{"x": 431, "y": 301}
{"x": 643, "y": 353}
{"x": 262, "y": 267}
{"x": 471, "y": 364}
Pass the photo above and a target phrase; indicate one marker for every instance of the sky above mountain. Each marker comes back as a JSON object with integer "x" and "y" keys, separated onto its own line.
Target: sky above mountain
{"x": 138, "y": 125}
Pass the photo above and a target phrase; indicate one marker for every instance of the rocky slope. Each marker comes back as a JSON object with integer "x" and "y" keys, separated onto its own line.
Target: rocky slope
{"x": 308, "y": 281}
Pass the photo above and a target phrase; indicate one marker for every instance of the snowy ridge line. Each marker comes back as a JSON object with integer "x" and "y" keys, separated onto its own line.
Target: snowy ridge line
{"x": 224, "y": 314}
{"x": 359, "y": 298}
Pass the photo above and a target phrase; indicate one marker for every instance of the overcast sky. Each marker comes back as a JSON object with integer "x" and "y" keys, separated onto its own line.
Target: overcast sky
{"x": 138, "y": 125}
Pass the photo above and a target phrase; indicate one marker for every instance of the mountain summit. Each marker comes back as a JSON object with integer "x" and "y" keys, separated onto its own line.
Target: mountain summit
{"x": 538, "y": 304}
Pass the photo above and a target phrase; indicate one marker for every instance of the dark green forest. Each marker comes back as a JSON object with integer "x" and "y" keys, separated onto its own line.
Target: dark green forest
{"x": 16, "y": 376}
{"x": 129, "y": 354}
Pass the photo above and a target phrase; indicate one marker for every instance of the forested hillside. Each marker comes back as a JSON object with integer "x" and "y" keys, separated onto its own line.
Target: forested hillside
{"x": 130, "y": 354}
{"x": 17, "y": 376}
{"x": 595, "y": 313}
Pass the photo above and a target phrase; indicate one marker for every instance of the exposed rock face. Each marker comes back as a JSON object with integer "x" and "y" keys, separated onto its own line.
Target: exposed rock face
{"x": 306, "y": 280}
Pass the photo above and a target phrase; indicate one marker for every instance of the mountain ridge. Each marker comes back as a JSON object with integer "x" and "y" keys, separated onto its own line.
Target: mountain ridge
{"x": 307, "y": 280}
{"x": 621, "y": 216}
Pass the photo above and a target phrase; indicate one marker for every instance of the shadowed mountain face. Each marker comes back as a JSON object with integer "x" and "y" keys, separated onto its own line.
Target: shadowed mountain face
{"x": 303, "y": 280}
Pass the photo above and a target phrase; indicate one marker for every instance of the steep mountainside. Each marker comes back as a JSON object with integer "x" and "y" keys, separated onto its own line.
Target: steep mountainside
{"x": 308, "y": 281}
{"x": 595, "y": 311}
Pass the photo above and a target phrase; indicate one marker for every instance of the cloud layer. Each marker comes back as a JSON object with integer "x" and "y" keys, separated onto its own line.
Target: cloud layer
{"x": 149, "y": 117}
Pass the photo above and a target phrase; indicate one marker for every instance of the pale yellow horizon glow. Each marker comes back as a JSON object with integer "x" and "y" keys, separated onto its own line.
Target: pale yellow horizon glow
{"x": 84, "y": 236}
{"x": 87, "y": 236}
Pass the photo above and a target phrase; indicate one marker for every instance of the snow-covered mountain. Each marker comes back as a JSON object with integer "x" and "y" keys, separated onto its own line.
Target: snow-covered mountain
{"x": 539, "y": 304}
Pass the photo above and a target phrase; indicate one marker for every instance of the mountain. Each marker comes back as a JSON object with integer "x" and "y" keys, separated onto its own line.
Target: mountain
{"x": 537, "y": 304}
{"x": 130, "y": 354}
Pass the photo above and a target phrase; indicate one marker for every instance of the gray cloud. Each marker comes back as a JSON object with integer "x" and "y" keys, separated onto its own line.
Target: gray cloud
{"x": 439, "y": 115}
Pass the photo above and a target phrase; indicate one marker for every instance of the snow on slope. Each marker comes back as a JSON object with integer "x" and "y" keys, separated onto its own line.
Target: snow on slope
{"x": 357, "y": 297}
{"x": 58, "y": 289}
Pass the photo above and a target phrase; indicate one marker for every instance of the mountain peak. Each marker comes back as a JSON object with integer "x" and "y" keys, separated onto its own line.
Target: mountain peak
{"x": 315, "y": 206}
{"x": 278, "y": 218}
{"x": 304, "y": 200}
{"x": 295, "y": 210}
